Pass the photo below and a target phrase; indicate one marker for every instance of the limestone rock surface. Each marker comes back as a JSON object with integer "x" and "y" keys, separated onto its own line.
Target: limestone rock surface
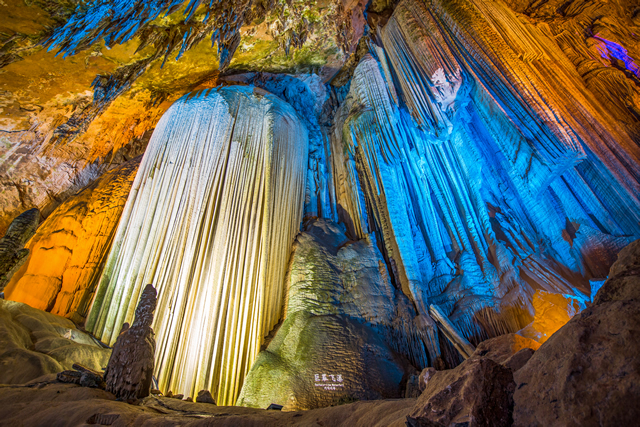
{"x": 342, "y": 338}
{"x": 478, "y": 392}
{"x": 68, "y": 252}
{"x": 213, "y": 211}
{"x": 503, "y": 348}
{"x": 71, "y": 405}
{"x": 624, "y": 277}
{"x": 12, "y": 251}
{"x": 588, "y": 372}
{"x": 34, "y": 343}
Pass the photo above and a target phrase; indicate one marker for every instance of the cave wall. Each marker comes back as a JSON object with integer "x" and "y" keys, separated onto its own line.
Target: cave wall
{"x": 489, "y": 149}
{"x": 69, "y": 249}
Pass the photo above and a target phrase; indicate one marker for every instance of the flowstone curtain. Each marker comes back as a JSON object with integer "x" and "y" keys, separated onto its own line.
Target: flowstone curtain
{"x": 210, "y": 221}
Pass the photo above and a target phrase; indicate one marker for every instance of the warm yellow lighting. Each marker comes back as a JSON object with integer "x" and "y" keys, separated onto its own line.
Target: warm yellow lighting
{"x": 210, "y": 221}
{"x": 552, "y": 312}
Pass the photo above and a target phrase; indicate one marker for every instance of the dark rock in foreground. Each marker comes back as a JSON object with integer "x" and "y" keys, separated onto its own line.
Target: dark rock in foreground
{"x": 479, "y": 392}
{"x": 624, "y": 277}
{"x": 204, "y": 396}
{"x": 130, "y": 368}
{"x": 588, "y": 372}
{"x": 510, "y": 350}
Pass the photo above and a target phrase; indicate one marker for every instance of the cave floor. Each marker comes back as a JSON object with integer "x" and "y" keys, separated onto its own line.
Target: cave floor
{"x": 57, "y": 404}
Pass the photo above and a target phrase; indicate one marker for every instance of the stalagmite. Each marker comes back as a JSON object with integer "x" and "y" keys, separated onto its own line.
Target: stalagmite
{"x": 210, "y": 220}
{"x": 129, "y": 372}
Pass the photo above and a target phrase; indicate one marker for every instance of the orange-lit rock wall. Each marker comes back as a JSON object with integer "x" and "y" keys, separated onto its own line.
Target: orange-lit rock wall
{"x": 552, "y": 311}
{"x": 68, "y": 251}
{"x": 602, "y": 41}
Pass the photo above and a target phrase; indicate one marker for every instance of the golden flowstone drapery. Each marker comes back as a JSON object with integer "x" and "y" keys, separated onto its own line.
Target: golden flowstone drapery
{"x": 210, "y": 221}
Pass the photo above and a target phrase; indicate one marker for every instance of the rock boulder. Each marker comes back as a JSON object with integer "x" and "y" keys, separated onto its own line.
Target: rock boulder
{"x": 479, "y": 392}
{"x": 34, "y": 343}
{"x": 588, "y": 372}
{"x": 624, "y": 277}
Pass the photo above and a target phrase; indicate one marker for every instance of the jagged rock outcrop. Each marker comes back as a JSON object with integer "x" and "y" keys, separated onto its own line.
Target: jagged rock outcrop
{"x": 510, "y": 350}
{"x": 12, "y": 251}
{"x": 588, "y": 372}
{"x": 479, "y": 392}
{"x": 130, "y": 369}
{"x": 623, "y": 283}
{"x": 69, "y": 250}
{"x": 344, "y": 332}
{"x": 34, "y": 343}
{"x": 213, "y": 211}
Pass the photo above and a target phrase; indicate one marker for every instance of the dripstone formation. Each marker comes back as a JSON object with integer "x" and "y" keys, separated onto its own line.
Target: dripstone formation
{"x": 338, "y": 201}
{"x": 130, "y": 370}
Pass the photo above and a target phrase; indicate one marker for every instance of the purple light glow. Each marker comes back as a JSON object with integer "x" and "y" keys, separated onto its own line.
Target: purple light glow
{"x": 615, "y": 50}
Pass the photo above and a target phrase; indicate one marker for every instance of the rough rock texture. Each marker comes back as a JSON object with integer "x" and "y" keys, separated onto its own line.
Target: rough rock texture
{"x": 587, "y": 373}
{"x": 425, "y": 376}
{"x": 34, "y": 343}
{"x": 501, "y": 349}
{"x": 83, "y": 376}
{"x": 68, "y": 252}
{"x": 12, "y": 251}
{"x": 64, "y": 122}
{"x": 458, "y": 145}
{"x": 130, "y": 369}
{"x": 624, "y": 277}
{"x": 204, "y": 396}
{"x": 479, "y": 392}
{"x": 600, "y": 38}
{"x": 70, "y": 405}
{"x": 492, "y": 154}
{"x": 343, "y": 329}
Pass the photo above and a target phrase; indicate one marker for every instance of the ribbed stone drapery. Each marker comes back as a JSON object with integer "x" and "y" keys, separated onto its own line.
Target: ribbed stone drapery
{"x": 210, "y": 221}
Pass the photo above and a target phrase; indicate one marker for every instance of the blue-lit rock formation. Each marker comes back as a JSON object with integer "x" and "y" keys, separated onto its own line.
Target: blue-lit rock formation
{"x": 484, "y": 167}
{"x": 466, "y": 167}
{"x": 210, "y": 220}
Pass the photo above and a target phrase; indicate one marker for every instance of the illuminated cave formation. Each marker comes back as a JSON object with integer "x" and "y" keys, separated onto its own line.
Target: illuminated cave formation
{"x": 210, "y": 219}
{"x": 454, "y": 171}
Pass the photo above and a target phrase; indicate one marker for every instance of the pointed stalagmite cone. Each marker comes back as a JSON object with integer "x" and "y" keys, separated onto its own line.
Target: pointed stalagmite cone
{"x": 130, "y": 368}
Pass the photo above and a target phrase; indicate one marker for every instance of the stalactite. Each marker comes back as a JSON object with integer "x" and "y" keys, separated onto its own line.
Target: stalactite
{"x": 210, "y": 220}
{"x": 477, "y": 169}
